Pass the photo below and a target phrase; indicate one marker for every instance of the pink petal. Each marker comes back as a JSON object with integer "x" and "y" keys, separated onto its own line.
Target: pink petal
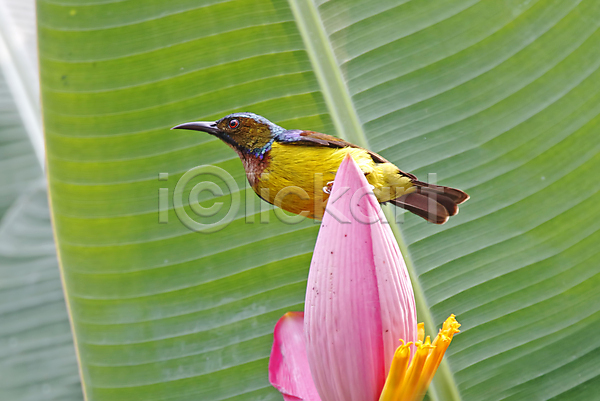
{"x": 359, "y": 300}
{"x": 288, "y": 366}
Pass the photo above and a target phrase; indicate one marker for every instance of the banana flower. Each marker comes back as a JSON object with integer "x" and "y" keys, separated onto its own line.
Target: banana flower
{"x": 358, "y": 339}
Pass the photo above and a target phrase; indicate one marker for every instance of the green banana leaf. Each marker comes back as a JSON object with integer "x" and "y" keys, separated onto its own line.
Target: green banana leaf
{"x": 499, "y": 98}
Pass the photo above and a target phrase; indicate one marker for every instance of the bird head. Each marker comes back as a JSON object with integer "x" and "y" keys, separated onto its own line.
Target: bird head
{"x": 244, "y": 132}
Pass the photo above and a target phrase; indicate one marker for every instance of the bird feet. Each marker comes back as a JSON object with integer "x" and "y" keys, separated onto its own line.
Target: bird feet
{"x": 327, "y": 188}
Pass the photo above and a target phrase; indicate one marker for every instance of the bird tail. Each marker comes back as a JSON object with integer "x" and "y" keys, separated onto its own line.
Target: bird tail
{"x": 434, "y": 203}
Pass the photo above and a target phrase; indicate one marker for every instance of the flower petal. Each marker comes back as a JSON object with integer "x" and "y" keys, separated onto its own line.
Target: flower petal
{"x": 359, "y": 300}
{"x": 288, "y": 366}
{"x": 398, "y": 309}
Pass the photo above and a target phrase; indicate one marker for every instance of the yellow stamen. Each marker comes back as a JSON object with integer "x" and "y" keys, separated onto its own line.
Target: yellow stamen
{"x": 420, "y": 331}
{"x": 398, "y": 369}
{"x": 409, "y": 382}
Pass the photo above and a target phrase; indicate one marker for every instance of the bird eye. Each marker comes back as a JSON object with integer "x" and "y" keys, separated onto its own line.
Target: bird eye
{"x": 234, "y": 124}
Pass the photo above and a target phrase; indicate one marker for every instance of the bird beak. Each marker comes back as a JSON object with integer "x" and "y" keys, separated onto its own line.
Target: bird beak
{"x": 206, "y": 126}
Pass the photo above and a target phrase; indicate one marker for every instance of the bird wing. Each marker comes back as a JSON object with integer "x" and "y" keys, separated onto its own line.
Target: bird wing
{"x": 312, "y": 138}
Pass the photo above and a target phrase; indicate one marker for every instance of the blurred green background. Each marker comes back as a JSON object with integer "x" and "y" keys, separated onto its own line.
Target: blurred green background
{"x": 499, "y": 98}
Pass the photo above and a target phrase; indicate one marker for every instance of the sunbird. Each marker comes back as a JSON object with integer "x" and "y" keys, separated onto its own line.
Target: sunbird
{"x": 287, "y": 167}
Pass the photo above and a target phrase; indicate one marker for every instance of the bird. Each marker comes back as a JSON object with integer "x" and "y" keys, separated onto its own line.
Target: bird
{"x": 287, "y": 167}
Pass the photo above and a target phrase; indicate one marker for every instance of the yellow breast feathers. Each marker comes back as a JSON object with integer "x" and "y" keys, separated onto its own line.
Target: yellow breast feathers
{"x": 295, "y": 176}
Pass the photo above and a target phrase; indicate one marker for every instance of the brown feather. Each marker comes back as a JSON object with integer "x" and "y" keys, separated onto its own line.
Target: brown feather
{"x": 419, "y": 204}
{"x": 450, "y": 206}
{"x": 434, "y": 203}
{"x": 456, "y": 195}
